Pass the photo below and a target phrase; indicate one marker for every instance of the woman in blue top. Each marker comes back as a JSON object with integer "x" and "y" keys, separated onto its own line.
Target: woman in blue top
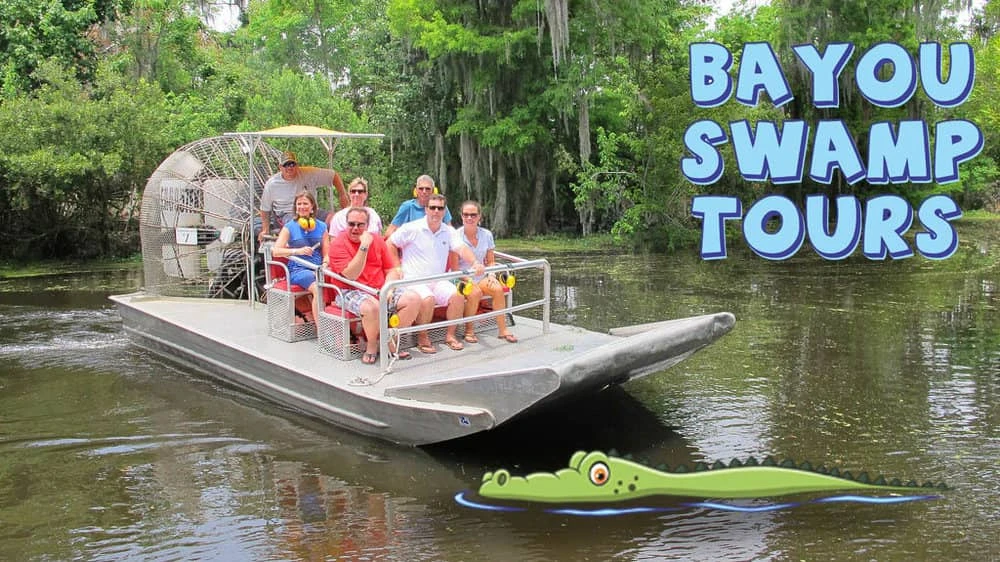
{"x": 481, "y": 242}
{"x": 304, "y": 237}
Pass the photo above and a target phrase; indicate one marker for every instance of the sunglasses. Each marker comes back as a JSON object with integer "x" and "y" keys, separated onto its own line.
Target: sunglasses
{"x": 357, "y": 191}
{"x": 435, "y": 208}
{"x": 470, "y": 215}
{"x": 352, "y": 224}
{"x": 289, "y": 165}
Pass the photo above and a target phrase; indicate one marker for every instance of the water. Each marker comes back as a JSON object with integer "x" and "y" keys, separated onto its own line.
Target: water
{"x": 107, "y": 453}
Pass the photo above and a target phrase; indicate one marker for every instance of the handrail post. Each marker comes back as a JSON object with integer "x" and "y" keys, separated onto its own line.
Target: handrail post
{"x": 252, "y": 257}
{"x": 383, "y": 325}
{"x": 546, "y": 288}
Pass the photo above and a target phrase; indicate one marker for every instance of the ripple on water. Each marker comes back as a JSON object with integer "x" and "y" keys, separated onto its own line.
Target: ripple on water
{"x": 60, "y": 338}
{"x": 124, "y": 445}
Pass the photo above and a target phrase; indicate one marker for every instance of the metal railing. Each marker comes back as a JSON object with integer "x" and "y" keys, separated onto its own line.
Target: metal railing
{"x": 514, "y": 264}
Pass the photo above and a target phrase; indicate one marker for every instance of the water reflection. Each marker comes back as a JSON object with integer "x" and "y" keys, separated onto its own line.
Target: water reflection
{"x": 321, "y": 517}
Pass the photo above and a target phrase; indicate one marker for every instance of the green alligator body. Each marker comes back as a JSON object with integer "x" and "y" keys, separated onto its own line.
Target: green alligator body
{"x": 597, "y": 477}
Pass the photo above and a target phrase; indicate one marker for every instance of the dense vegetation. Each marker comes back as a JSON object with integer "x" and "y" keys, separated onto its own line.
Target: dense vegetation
{"x": 559, "y": 115}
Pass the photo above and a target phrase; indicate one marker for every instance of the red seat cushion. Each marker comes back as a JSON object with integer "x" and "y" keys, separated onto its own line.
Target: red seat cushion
{"x": 282, "y": 285}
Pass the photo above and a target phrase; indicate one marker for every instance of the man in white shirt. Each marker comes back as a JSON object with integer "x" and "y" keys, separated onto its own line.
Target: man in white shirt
{"x": 424, "y": 245}
{"x": 278, "y": 198}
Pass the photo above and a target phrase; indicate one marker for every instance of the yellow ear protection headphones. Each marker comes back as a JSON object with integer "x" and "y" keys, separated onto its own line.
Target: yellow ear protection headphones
{"x": 507, "y": 278}
{"x": 435, "y": 192}
{"x": 393, "y": 320}
{"x": 465, "y": 287}
{"x": 307, "y": 223}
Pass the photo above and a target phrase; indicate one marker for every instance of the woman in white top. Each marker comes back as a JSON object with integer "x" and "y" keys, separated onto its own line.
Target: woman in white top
{"x": 358, "y": 194}
{"x": 481, "y": 242}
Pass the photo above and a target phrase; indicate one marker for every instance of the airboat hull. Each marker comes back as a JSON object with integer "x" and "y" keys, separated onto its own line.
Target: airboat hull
{"x": 428, "y": 399}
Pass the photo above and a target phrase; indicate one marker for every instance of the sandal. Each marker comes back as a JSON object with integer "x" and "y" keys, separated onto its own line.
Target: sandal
{"x": 369, "y": 358}
{"x": 455, "y": 345}
{"x": 402, "y": 355}
{"x": 471, "y": 338}
{"x": 509, "y": 338}
{"x": 300, "y": 317}
{"x": 427, "y": 349}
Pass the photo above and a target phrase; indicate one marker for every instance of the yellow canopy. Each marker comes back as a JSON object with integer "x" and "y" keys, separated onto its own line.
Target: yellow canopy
{"x": 306, "y": 131}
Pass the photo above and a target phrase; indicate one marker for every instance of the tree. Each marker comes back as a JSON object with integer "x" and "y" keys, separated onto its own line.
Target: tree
{"x": 72, "y": 160}
{"x": 511, "y": 86}
{"x": 38, "y": 30}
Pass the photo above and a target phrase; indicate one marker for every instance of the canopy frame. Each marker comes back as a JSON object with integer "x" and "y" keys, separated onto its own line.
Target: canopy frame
{"x": 249, "y": 141}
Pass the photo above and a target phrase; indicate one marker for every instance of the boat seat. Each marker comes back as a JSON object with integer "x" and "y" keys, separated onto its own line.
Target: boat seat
{"x": 282, "y": 300}
{"x": 339, "y": 331}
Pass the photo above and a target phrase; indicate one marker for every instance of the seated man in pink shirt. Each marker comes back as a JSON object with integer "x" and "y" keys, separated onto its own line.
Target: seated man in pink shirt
{"x": 361, "y": 256}
{"x": 424, "y": 245}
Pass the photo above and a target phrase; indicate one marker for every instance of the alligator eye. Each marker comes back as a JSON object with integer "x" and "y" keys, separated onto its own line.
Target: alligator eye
{"x": 599, "y": 473}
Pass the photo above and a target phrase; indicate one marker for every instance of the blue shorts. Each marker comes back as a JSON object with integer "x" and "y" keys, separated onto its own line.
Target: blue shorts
{"x": 302, "y": 277}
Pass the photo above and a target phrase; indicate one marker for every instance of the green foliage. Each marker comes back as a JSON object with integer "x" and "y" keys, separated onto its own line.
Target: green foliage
{"x": 72, "y": 160}
{"x": 34, "y": 31}
{"x": 570, "y": 125}
{"x": 604, "y": 190}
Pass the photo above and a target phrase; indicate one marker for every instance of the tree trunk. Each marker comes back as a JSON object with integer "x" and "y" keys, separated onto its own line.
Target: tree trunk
{"x": 440, "y": 163}
{"x": 583, "y": 115}
{"x": 535, "y": 223}
{"x": 499, "y": 224}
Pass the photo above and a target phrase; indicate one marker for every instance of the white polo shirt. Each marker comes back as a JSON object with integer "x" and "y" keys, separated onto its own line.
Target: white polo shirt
{"x": 424, "y": 252}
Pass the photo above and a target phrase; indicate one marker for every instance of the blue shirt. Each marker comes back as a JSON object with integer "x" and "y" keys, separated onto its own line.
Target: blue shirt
{"x": 411, "y": 210}
{"x": 299, "y": 237}
{"x": 484, "y": 243}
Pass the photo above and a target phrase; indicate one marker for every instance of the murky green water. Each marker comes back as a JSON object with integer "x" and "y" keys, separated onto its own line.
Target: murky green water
{"x": 106, "y": 453}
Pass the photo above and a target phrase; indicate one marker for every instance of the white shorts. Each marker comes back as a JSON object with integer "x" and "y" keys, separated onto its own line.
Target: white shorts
{"x": 440, "y": 290}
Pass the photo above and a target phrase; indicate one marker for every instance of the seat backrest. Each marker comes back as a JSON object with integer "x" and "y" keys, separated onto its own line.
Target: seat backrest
{"x": 326, "y": 285}
{"x": 275, "y": 268}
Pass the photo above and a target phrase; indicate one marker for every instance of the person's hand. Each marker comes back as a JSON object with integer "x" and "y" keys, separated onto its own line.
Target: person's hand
{"x": 304, "y": 251}
{"x": 478, "y": 268}
{"x": 366, "y": 238}
{"x": 263, "y": 234}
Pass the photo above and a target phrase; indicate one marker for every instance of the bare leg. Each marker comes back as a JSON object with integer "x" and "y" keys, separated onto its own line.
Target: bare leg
{"x": 407, "y": 308}
{"x": 499, "y": 303}
{"x": 369, "y": 322}
{"x": 424, "y": 317}
{"x": 314, "y": 300}
{"x": 454, "y": 311}
{"x": 471, "y": 307}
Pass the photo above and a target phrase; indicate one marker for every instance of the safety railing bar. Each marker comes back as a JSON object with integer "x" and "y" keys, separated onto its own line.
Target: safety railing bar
{"x": 361, "y": 286}
{"x": 303, "y": 262}
{"x": 465, "y": 273}
{"x": 467, "y": 319}
{"x": 545, "y": 302}
{"x": 509, "y": 257}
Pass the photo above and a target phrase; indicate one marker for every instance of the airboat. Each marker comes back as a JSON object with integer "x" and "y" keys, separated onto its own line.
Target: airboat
{"x": 215, "y": 301}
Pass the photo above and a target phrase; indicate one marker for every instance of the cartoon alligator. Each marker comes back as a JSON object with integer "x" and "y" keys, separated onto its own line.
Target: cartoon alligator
{"x": 597, "y": 477}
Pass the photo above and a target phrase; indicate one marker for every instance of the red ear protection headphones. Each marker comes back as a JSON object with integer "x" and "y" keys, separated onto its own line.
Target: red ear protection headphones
{"x": 307, "y": 223}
